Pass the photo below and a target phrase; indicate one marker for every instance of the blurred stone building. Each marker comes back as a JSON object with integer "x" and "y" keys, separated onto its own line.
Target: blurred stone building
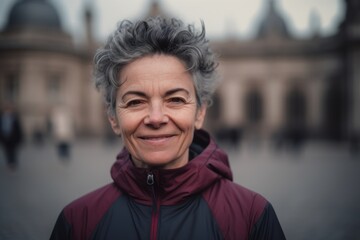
{"x": 41, "y": 69}
{"x": 277, "y": 86}
{"x": 273, "y": 86}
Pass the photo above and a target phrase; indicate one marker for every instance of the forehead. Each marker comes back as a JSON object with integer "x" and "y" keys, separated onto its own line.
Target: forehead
{"x": 155, "y": 70}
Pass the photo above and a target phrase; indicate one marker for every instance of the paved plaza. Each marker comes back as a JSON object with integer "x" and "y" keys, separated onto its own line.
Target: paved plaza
{"x": 315, "y": 192}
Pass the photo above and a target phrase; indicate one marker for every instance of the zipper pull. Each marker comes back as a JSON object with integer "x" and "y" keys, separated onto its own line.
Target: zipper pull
{"x": 150, "y": 179}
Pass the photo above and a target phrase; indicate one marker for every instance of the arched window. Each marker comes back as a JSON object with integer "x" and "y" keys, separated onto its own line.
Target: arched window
{"x": 295, "y": 108}
{"x": 214, "y": 109}
{"x": 11, "y": 88}
{"x": 254, "y": 106}
{"x": 54, "y": 88}
{"x": 334, "y": 110}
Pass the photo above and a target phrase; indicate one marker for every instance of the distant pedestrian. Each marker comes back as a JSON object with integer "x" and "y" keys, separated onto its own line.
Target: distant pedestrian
{"x": 62, "y": 127}
{"x": 10, "y": 134}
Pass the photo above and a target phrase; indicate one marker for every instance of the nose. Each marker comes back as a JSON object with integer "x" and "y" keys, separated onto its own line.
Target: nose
{"x": 156, "y": 116}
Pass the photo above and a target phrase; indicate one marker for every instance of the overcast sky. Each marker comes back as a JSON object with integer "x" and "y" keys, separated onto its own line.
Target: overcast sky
{"x": 222, "y": 17}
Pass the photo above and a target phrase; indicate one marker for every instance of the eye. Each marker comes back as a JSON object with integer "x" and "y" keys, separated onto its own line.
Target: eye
{"x": 177, "y": 100}
{"x": 134, "y": 103}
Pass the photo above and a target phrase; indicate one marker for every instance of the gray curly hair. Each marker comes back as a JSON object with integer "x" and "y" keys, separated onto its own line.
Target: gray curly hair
{"x": 131, "y": 41}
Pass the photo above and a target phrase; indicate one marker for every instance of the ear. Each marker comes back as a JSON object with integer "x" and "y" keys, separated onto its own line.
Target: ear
{"x": 114, "y": 124}
{"x": 200, "y": 116}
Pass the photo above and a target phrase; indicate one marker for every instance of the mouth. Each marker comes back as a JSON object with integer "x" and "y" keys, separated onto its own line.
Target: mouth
{"x": 156, "y": 138}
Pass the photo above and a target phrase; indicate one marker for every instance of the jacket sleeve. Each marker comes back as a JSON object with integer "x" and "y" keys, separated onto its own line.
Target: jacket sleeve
{"x": 62, "y": 229}
{"x": 267, "y": 227}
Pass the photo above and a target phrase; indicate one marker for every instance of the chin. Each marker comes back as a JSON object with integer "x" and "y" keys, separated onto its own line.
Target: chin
{"x": 156, "y": 162}
{"x": 160, "y": 161}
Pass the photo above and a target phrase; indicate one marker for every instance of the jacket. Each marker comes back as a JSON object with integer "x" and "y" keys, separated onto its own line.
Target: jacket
{"x": 196, "y": 201}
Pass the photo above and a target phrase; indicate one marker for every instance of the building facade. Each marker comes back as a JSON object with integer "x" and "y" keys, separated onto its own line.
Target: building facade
{"x": 278, "y": 86}
{"x": 42, "y": 70}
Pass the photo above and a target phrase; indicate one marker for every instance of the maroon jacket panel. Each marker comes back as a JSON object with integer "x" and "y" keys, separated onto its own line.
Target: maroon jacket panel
{"x": 86, "y": 212}
{"x": 235, "y": 208}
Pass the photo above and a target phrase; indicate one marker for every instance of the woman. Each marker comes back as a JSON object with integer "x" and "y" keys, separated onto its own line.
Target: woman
{"x": 171, "y": 181}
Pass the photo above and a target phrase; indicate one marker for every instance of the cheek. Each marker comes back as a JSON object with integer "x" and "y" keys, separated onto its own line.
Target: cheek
{"x": 128, "y": 121}
{"x": 184, "y": 119}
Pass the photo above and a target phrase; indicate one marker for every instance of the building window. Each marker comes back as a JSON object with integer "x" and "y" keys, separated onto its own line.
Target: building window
{"x": 11, "y": 88}
{"x": 54, "y": 88}
{"x": 334, "y": 109}
{"x": 295, "y": 108}
{"x": 254, "y": 106}
{"x": 214, "y": 109}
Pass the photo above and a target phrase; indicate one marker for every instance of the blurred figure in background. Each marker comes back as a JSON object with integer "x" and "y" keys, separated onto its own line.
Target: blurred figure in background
{"x": 63, "y": 131}
{"x": 10, "y": 134}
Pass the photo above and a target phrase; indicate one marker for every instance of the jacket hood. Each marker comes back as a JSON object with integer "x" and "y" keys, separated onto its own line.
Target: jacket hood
{"x": 208, "y": 164}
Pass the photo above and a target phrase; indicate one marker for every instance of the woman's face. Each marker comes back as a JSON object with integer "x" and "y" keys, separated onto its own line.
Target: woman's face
{"x": 156, "y": 111}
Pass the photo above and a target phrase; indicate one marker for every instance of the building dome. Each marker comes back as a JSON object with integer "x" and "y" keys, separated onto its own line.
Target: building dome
{"x": 273, "y": 24}
{"x": 34, "y": 14}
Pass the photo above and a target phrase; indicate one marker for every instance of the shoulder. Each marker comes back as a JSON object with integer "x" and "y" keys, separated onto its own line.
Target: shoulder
{"x": 250, "y": 200}
{"x": 90, "y": 208}
{"x": 236, "y": 195}
{"x": 236, "y": 208}
{"x": 97, "y": 200}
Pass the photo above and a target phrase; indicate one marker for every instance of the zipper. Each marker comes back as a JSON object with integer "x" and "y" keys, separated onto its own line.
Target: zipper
{"x": 150, "y": 179}
{"x": 155, "y": 208}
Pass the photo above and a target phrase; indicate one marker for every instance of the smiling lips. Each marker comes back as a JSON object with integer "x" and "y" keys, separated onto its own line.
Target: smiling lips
{"x": 156, "y": 138}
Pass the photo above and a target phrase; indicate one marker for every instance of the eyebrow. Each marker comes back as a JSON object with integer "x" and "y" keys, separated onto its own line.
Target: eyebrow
{"x": 175, "y": 90}
{"x": 143, "y": 94}
{"x": 138, "y": 93}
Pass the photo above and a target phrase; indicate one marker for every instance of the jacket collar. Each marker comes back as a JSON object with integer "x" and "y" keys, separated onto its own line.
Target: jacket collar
{"x": 173, "y": 186}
